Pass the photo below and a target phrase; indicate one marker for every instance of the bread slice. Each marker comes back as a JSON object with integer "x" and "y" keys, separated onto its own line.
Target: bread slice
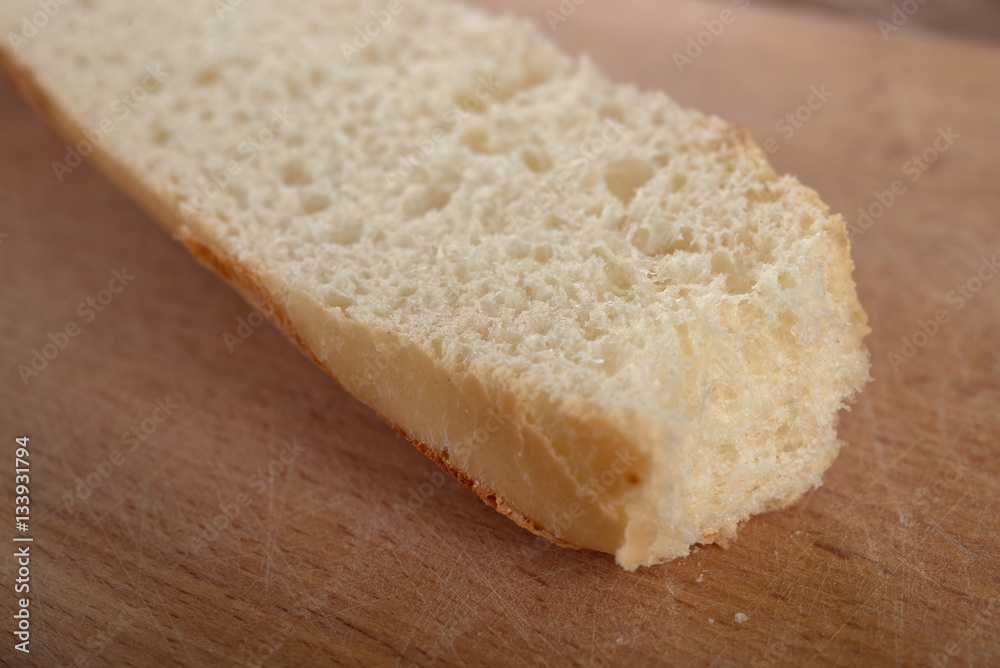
{"x": 604, "y": 313}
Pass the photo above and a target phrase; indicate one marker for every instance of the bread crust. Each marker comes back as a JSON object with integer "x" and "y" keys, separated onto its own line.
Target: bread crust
{"x": 242, "y": 278}
{"x": 253, "y": 288}
{"x": 248, "y": 285}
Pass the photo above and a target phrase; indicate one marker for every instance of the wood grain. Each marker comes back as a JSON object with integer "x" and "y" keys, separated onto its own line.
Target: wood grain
{"x": 356, "y": 550}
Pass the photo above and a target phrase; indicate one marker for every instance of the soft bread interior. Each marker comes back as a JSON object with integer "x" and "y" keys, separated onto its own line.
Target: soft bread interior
{"x": 604, "y": 312}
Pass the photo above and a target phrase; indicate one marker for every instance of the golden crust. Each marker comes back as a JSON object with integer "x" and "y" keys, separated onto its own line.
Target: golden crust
{"x": 247, "y": 284}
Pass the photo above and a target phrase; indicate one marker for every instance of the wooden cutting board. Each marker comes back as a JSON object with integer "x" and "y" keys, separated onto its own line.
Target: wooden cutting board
{"x": 165, "y": 413}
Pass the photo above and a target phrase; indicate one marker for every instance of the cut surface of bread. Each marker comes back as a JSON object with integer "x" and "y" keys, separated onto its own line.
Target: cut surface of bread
{"x": 602, "y": 311}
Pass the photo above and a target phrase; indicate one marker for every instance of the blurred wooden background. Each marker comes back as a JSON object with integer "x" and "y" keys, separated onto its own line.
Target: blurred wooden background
{"x": 978, "y": 18}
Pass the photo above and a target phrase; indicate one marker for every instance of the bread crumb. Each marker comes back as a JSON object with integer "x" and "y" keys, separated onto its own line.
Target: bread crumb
{"x": 700, "y": 578}
{"x": 740, "y": 618}
{"x": 740, "y": 260}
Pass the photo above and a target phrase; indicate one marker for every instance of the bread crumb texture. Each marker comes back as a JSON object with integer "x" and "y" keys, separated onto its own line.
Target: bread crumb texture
{"x": 656, "y": 317}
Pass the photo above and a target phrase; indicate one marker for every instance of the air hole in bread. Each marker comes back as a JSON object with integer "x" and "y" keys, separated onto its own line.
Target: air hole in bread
{"x": 294, "y": 173}
{"x": 314, "y": 202}
{"x": 537, "y": 161}
{"x": 475, "y": 138}
{"x": 206, "y": 77}
{"x": 624, "y": 177}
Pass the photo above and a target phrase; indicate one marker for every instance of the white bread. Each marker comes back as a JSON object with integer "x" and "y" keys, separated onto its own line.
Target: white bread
{"x": 604, "y": 313}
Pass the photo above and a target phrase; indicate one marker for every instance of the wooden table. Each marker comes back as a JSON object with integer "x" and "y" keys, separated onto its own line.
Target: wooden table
{"x": 977, "y": 18}
{"x": 334, "y": 541}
